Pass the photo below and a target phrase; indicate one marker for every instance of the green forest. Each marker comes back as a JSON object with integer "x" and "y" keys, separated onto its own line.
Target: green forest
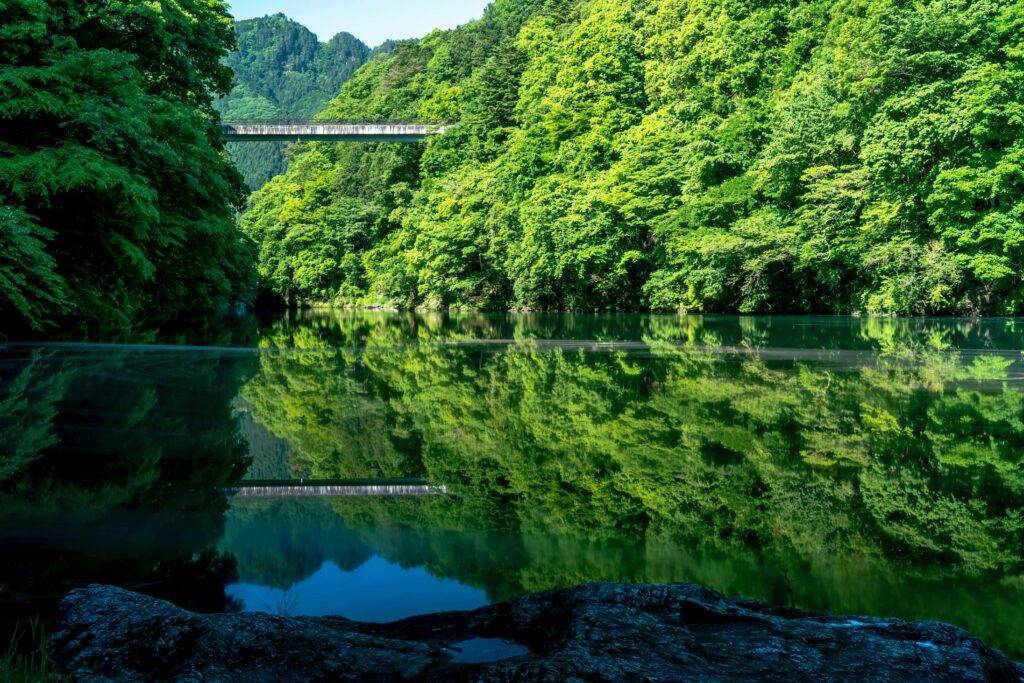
{"x": 611, "y": 174}
{"x": 862, "y": 156}
{"x": 118, "y": 204}
{"x": 282, "y": 72}
{"x": 781, "y": 156}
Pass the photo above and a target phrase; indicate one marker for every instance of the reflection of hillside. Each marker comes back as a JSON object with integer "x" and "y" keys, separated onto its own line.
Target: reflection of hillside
{"x": 321, "y": 328}
{"x": 913, "y": 455}
{"x": 903, "y": 458}
{"x": 270, "y": 455}
{"x": 279, "y": 542}
{"x": 114, "y": 479}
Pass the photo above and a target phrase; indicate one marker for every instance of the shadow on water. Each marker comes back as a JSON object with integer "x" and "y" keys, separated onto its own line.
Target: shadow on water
{"x": 106, "y": 469}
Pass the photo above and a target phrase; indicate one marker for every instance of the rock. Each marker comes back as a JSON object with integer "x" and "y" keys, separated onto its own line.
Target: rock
{"x": 594, "y": 632}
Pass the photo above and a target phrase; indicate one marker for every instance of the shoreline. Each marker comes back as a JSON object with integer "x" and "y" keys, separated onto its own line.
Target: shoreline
{"x": 595, "y": 631}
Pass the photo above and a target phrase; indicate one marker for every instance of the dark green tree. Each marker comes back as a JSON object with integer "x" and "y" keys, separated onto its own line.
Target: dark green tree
{"x": 116, "y": 198}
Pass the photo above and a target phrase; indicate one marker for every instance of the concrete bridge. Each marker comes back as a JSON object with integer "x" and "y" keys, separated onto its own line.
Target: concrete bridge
{"x": 324, "y": 489}
{"x": 332, "y": 131}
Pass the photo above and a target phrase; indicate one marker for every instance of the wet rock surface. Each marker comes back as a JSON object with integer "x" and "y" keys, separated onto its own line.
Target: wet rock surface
{"x": 594, "y": 632}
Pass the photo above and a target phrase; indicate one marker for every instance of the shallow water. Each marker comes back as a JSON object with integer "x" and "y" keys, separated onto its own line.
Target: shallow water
{"x": 867, "y": 466}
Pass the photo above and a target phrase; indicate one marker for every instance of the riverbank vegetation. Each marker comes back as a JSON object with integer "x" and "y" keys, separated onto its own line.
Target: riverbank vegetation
{"x": 18, "y": 665}
{"x": 859, "y": 156}
{"x": 117, "y": 201}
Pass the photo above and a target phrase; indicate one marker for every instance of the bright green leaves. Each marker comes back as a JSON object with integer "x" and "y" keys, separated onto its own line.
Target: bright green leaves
{"x": 911, "y": 279}
{"x": 892, "y": 154}
{"x": 305, "y": 231}
{"x": 707, "y": 155}
{"x": 977, "y": 204}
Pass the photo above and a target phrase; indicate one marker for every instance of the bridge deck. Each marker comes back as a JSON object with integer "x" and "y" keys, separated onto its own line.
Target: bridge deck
{"x": 337, "y": 132}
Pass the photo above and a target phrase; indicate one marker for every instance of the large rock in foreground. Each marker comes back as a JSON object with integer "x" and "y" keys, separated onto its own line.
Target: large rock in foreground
{"x": 613, "y": 632}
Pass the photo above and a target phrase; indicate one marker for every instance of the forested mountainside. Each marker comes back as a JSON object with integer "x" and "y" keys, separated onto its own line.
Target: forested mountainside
{"x": 283, "y": 72}
{"x": 117, "y": 201}
{"x": 715, "y": 155}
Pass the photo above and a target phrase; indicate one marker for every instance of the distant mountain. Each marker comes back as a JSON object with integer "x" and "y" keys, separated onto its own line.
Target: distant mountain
{"x": 283, "y": 72}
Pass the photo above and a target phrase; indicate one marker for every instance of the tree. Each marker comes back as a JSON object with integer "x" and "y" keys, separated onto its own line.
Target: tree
{"x": 118, "y": 201}
{"x": 714, "y": 155}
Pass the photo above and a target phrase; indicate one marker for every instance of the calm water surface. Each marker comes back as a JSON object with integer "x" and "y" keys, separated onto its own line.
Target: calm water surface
{"x": 851, "y": 465}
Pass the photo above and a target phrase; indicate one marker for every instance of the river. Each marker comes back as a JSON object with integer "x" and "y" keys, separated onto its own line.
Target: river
{"x": 853, "y": 465}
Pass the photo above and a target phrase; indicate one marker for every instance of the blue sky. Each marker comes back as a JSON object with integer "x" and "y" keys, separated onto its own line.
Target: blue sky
{"x": 372, "y": 21}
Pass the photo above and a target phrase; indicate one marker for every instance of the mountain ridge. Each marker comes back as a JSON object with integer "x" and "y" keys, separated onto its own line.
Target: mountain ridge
{"x": 283, "y": 71}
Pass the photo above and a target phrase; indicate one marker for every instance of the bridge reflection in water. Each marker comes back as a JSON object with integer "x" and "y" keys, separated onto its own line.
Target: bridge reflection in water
{"x": 351, "y": 487}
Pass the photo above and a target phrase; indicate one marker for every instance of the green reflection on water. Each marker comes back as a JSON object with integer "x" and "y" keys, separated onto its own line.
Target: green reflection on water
{"x": 858, "y": 466}
{"x": 110, "y": 459}
{"x": 863, "y": 466}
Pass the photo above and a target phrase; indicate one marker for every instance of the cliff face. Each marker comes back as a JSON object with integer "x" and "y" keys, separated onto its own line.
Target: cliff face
{"x": 592, "y": 632}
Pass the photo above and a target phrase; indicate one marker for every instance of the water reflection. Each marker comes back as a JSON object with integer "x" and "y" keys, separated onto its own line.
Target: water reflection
{"x": 853, "y": 465}
{"x": 109, "y": 463}
{"x": 376, "y": 591}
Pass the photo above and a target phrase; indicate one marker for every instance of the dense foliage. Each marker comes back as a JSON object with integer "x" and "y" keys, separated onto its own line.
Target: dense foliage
{"x": 862, "y": 155}
{"x": 117, "y": 202}
{"x": 902, "y": 446}
{"x": 282, "y": 72}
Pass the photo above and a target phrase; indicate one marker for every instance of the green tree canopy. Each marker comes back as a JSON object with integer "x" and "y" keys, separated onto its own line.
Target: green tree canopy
{"x": 667, "y": 154}
{"x": 117, "y": 202}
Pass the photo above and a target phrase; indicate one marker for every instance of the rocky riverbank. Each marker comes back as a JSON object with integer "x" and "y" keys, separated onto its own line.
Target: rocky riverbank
{"x": 594, "y": 632}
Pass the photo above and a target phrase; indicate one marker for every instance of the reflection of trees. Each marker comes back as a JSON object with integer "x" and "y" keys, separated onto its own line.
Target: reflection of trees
{"x": 29, "y": 392}
{"x": 114, "y": 475}
{"x": 861, "y": 476}
{"x": 910, "y": 452}
{"x": 280, "y": 543}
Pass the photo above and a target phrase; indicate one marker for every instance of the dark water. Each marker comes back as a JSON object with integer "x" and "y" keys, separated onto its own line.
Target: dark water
{"x": 851, "y": 465}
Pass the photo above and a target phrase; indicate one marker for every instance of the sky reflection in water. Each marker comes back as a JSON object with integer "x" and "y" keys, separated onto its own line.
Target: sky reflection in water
{"x": 377, "y": 591}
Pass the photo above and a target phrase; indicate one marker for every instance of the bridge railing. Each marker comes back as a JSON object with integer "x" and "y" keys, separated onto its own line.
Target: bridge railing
{"x": 338, "y": 488}
{"x": 266, "y": 483}
{"x": 338, "y": 122}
